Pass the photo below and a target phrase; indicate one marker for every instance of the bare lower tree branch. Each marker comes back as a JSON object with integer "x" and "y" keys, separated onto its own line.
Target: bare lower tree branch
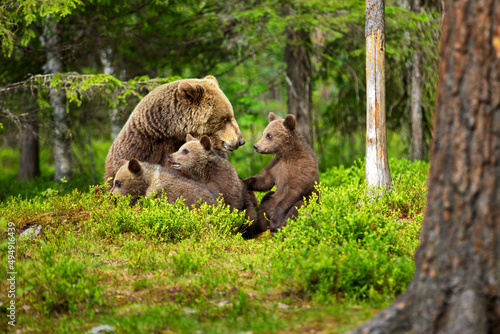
{"x": 44, "y": 81}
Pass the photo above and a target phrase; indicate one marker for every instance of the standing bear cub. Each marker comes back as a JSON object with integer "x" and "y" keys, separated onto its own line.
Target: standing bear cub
{"x": 294, "y": 172}
{"x": 198, "y": 161}
{"x": 143, "y": 179}
{"x": 160, "y": 122}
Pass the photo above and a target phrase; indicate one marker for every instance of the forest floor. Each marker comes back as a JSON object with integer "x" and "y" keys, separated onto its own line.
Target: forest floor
{"x": 161, "y": 268}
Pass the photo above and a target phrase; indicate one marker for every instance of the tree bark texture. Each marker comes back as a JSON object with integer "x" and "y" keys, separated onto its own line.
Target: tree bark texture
{"x": 62, "y": 132}
{"x": 106, "y": 57}
{"x": 377, "y": 171}
{"x": 456, "y": 287}
{"x": 299, "y": 80}
{"x": 29, "y": 158}
{"x": 417, "y": 133}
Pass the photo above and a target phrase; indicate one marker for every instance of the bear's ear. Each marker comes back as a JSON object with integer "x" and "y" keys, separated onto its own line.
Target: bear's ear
{"x": 289, "y": 122}
{"x": 272, "y": 117}
{"x": 190, "y": 138}
{"x": 189, "y": 91}
{"x": 205, "y": 143}
{"x": 212, "y": 79}
{"x": 134, "y": 166}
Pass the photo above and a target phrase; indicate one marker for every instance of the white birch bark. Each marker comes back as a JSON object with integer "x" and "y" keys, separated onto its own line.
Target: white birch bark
{"x": 417, "y": 131}
{"x": 62, "y": 133}
{"x": 106, "y": 57}
{"x": 377, "y": 171}
{"x": 417, "y": 136}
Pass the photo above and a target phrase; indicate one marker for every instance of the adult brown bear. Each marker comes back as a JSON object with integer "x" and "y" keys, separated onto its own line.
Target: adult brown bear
{"x": 160, "y": 122}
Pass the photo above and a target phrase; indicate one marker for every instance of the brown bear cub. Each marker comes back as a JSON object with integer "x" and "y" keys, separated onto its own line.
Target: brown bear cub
{"x": 143, "y": 179}
{"x": 197, "y": 160}
{"x": 160, "y": 122}
{"x": 294, "y": 172}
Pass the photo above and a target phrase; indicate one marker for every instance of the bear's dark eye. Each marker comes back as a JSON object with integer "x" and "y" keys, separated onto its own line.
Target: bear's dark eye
{"x": 269, "y": 136}
{"x": 226, "y": 120}
{"x": 185, "y": 151}
{"x": 118, "y": 184}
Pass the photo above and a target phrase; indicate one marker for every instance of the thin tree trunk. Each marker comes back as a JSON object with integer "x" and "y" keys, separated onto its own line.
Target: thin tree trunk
{"x": 29, "y": 158}
{"x": 417, "y": 134}
{"x": 107, "y": 65}
{"x": 299, "y": 79}
{"x": 456, "y": 287}
{"x": 62, "y": 133}
{"x": 377, "y": 171}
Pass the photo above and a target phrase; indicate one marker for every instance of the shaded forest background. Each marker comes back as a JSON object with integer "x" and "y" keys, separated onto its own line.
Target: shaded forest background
{"x": 302, "y": 57}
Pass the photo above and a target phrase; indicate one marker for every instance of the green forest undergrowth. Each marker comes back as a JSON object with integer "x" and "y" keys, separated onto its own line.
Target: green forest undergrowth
{"x": 161, "y": 268}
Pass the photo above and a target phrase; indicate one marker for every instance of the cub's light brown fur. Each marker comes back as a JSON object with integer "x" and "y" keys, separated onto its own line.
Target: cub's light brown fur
{"x": 294, "y": 172}
{"x": 143, "y": 179}
{"x": 160, "y": 122}
{"x": 200, "y": 162}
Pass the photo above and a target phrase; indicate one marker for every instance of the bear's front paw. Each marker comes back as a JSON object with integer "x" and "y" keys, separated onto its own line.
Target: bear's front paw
{"x": 249, "y": 182}
{"x": 276, "y": 224}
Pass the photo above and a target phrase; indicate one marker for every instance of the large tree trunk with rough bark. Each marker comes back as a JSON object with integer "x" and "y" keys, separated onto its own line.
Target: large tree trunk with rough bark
{"x": 377, "y": 171}
{"x": 456, "y": 287}
{"x": 299, "y": 79}
{"x": 61, "y": 132}
{"x": 29, "y": 158}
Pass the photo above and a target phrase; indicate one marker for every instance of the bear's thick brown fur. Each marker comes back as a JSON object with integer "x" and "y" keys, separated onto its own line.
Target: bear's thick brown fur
{"x": 294, "y": 172}
{"x": 143, "y": 179}
{"x": 160, "y": 122}
{"x": 197, "y": 160}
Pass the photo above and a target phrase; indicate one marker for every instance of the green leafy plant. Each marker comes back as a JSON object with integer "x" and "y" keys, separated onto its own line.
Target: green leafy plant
{"x": 166, "y": 266}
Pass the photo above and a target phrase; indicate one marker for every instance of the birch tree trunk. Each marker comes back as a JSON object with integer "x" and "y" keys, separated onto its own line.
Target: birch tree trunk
{"x": 62, "y": 133}
{"x": 299, "y": 79}
{"x": 456, "y": 286}
{"x": 417, "y": 134}
{"x": 377, "y": 171}
{"x": 106, "y": 57}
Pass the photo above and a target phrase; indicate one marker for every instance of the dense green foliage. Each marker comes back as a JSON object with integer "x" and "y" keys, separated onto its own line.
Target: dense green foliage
{"x": 157, "y": 267}
{"x": 160, "y": 266}
{"x": 241, "y": 43}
